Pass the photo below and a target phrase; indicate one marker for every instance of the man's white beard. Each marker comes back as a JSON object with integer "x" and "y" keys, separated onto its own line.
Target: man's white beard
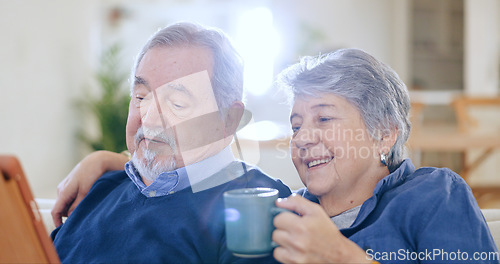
{"x": 149, "y": 167}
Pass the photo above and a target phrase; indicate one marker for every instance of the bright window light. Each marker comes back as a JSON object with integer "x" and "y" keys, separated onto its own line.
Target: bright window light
{"x": 263, "y": 131}
{"x": 258, "y": 43}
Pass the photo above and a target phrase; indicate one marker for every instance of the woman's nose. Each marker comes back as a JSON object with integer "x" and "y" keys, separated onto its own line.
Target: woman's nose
{"x": 306, "y": 137}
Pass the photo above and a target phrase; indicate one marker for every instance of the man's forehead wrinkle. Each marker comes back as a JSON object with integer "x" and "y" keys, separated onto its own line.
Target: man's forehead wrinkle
{"x": 182, "y": 84}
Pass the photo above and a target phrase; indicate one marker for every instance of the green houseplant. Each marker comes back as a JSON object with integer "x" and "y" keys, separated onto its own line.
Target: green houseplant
{"x": 110, "y": 106}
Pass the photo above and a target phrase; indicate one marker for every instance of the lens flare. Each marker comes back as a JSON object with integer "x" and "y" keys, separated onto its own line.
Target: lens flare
{"x": 232, "y": 215}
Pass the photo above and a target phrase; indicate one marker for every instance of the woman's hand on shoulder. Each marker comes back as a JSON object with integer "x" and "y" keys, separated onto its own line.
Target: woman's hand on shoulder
{"x": 77, "y": 184}
{"x": 311, "y": 237}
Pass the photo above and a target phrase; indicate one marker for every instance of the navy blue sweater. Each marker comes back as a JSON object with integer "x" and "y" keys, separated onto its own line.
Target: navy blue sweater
{"x": 115, "y": 223}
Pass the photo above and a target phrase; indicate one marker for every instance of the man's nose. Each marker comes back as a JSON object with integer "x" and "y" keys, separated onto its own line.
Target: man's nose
{"x": 153, "y": 114}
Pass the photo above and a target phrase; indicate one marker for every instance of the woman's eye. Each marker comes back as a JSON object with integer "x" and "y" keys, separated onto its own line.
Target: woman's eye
{"x": 295, "y": 129}
{"x": 325, "y": 119}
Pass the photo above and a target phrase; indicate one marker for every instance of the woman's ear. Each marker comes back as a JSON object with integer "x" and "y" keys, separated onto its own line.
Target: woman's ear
{"x": 233, "y": 117}
{"x": 387, "y": 140}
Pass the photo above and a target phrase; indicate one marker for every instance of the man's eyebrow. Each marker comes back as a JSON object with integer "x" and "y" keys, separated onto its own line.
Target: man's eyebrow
{"x": 140, "y": 81}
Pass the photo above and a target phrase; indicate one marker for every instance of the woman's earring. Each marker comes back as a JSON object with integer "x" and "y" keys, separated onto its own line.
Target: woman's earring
{"x": 383, "y": 159}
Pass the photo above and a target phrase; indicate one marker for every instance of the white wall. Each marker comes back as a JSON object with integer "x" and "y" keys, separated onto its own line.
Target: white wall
{"x": 378, "y": 27}
{"x": 482, "y": 47}
{"x": 47, "y": 51}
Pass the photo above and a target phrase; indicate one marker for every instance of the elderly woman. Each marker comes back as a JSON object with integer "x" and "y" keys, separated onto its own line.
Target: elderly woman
{"x": 350, "y": 123}
{"x": 363, "y": 201}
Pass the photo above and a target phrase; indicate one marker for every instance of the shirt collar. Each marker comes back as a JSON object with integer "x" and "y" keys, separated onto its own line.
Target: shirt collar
{"x": 173, "y": 181}
{"x": 395, "y": 178}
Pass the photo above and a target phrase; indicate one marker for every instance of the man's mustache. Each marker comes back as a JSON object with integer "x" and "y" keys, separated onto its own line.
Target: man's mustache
{"x": 155, "y": 135}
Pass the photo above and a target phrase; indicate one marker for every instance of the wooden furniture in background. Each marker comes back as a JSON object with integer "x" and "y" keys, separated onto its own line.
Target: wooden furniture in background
{"x": 461, "y": 105}
{"x": 464, "y": 136}
{"x": 467, "y": 124}
{"x": 23, "y": 238}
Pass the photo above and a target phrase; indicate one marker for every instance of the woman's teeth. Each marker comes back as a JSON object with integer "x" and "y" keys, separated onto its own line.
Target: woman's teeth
{"x": 318, "y": 162}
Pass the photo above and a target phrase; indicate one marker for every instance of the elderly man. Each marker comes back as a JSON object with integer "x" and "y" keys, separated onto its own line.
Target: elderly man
{"x": 167, "y": 205}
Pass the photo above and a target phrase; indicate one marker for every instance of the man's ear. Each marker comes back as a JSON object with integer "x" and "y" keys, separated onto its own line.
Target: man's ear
{"x": 233, "y": 117}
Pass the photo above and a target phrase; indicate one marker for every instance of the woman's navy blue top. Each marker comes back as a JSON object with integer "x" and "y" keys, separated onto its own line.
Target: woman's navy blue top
{"x": 427, "y": 215}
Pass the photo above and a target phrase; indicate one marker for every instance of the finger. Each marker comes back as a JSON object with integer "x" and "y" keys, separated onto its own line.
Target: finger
{"x": 59, "y": 210}
{"x": 56, "y": 218}
{"x": 280, "y": 254}
{"x": 62, "y": 204}
{"x": 283, "y": 255}
{"x": 75, "y": 203}
{"x": 283, "y": 238}
{"x": 286, "y": 221}
{"x": 299, "y": 204}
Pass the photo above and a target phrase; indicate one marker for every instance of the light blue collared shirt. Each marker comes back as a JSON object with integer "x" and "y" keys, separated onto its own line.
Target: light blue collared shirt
{"x": 173, "y": 181}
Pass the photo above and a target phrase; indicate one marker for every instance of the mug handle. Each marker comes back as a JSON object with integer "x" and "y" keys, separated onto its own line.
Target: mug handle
{"x": 275, "y": 211}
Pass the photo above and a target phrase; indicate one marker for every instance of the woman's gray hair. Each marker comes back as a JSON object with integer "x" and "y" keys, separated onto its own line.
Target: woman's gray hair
{"x": 371, "y": 86}
{"x": 227, "y": 79}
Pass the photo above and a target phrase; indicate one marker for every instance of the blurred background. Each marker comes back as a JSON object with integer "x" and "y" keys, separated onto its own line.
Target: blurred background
{"x": 64, "y": 75}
